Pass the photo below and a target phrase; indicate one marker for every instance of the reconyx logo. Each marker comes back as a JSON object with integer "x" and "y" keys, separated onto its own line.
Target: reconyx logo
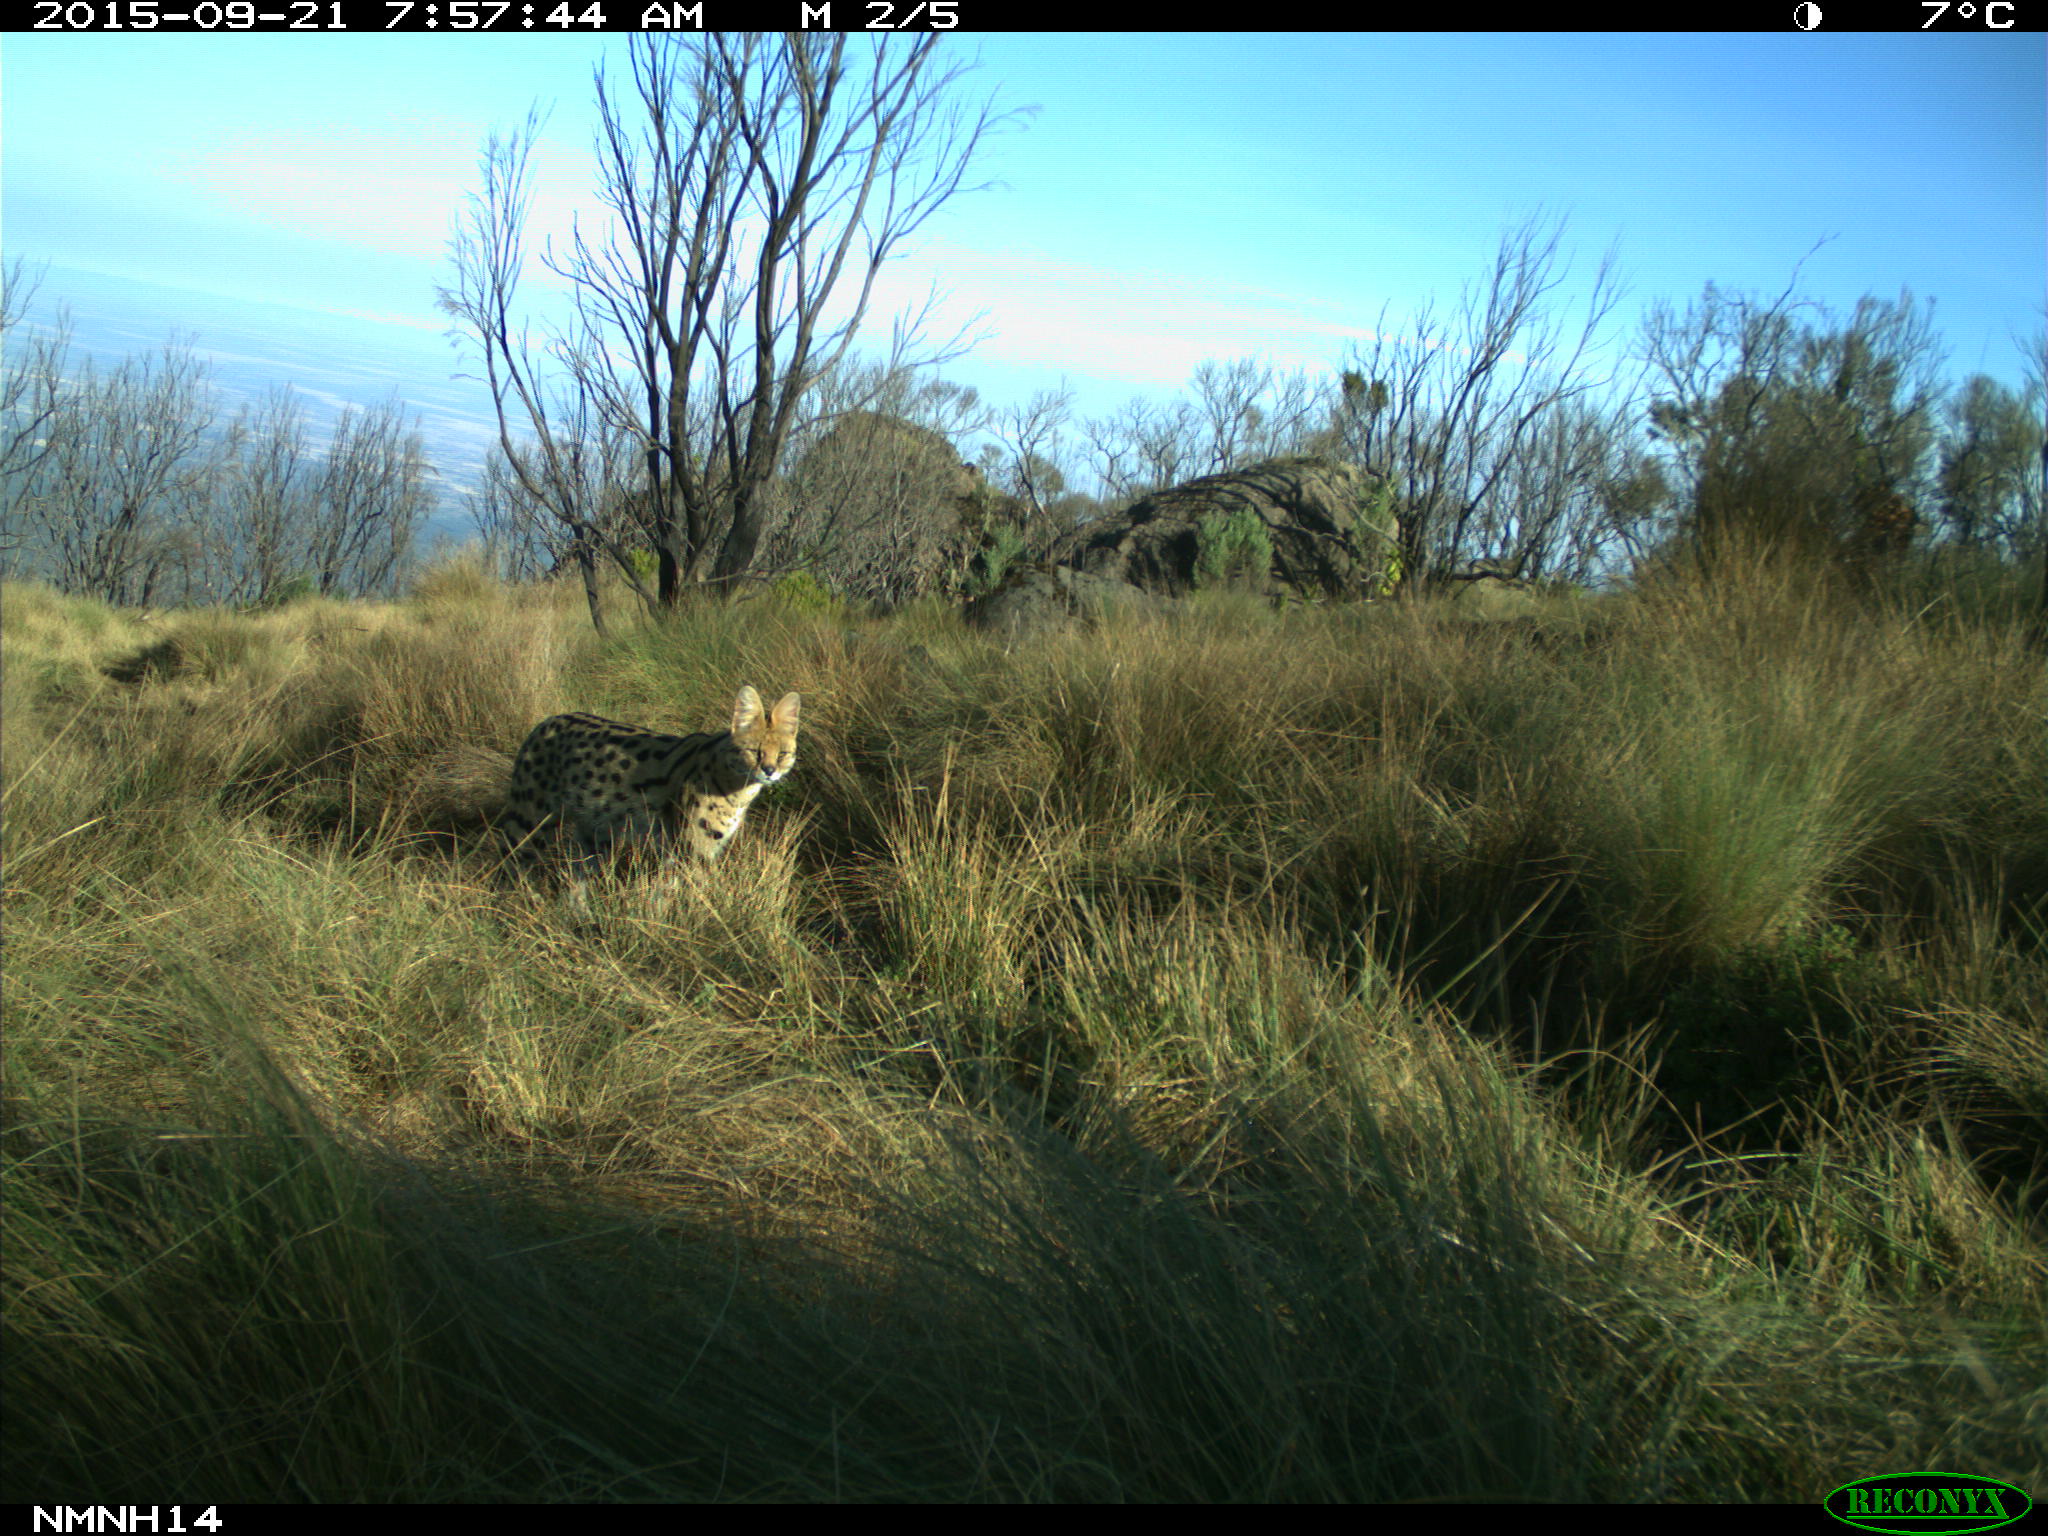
{"x": 1948, "y": 1503}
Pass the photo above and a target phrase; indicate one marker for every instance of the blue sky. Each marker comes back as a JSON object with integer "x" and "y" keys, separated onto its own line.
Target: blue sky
{"x": 1177, "y": 197}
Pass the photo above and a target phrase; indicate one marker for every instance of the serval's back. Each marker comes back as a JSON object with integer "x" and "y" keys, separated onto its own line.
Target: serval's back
{"x": 614, "y": 788}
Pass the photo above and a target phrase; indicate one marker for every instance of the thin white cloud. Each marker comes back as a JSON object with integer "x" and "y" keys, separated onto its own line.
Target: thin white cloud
{"x": 1150, "y": 327}
{"x": 392, "y": 188}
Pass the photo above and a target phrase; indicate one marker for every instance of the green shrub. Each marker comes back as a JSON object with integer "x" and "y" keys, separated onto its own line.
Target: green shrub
{"x": 1231, "y": 547}
{"x": 801, "y": 592}
{"x": 1005, "y": 544}
{"x": 1376, "y": 536}
{"x": 293, "y": 589}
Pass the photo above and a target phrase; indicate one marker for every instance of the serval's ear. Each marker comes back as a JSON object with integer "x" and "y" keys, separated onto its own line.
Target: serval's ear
{"x": 746, "y": 710}
{"x": 784, "y": 716}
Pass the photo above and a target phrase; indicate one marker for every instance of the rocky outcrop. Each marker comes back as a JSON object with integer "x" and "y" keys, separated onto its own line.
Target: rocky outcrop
{"x": 1038, "y": 599}
{"x": 1325, "y": 531}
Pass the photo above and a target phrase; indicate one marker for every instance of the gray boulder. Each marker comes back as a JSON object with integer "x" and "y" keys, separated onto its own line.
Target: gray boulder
{"x": 1038, "y": 599}
{"x": 1326, "y": 530}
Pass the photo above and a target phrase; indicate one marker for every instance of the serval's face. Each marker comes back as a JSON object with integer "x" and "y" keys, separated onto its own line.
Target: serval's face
{"x": 766, "y": 743}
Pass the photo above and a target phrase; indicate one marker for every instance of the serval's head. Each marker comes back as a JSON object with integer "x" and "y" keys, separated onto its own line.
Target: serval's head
{"x": 767, "y": 742}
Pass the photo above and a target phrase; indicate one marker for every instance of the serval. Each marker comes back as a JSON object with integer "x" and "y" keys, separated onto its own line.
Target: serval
{"x": 615, "y": 789}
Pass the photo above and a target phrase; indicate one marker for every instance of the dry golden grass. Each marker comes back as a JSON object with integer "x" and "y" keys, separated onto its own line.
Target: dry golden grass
{"x": 1496, "y": 1049}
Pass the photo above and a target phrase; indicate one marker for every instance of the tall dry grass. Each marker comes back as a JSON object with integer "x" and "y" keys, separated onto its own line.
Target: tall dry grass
{"x": 1588, "y": 1050}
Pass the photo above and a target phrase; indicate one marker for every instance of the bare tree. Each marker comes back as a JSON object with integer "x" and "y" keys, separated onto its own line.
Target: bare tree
{"x": 753, "y": 205}
{"x": 1251, "y": 411}
{"x": 560, "y": 468}
{"x": 99, "y": 505}
{"x": 258, "y": 539}
{"x": 369, "y": 497}
{"x": 119, "y": 486}
{"x": 1554, "y": 516}
{"x": 1143, "y": 446}
{"x": 522, "y": 541}
{"x": 1634, "y": 510}
{"x": 277, "y": 512}
{"x": 30, "y": 384}
{"x": 1242, "y": 412}
{"x": 1461, "y": 416}
{"x": 1029, "y": 462}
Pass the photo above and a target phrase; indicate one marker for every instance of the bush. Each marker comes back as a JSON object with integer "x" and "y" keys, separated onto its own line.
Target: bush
{"x": 293, "y": 589}
{"x": 1231, "y": 548}
{"x": 1376, "y": 536}
{"x": 1005, "y": 544}
{"x": 801, "y": 592}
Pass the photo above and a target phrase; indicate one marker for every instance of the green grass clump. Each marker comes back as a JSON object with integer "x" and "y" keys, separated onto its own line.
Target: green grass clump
{"x": 1567, "y": 1047}
{"x": 1232, "y": 547}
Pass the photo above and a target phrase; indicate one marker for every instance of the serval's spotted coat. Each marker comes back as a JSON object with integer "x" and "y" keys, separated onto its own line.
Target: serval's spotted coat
{"x": 613, "y": 789}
